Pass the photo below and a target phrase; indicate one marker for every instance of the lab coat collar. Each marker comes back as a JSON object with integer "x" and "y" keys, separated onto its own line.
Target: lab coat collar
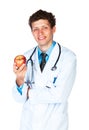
{"x": 50, "y": 62}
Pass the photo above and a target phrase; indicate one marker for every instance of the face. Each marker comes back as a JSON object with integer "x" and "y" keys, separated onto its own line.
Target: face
{"x": 43, "y": 33}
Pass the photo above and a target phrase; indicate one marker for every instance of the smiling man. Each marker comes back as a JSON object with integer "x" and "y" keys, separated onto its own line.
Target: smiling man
{"x": 44, "y": 83}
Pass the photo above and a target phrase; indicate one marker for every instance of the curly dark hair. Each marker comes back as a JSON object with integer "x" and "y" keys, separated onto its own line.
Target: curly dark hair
{"x": 41, "y": 14}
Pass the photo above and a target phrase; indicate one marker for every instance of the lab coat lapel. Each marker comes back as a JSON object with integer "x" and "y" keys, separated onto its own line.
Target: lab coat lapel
{"x": 52, "y": 59}
{"x": 38, "y": 75}
{"x": 36, "y": 62}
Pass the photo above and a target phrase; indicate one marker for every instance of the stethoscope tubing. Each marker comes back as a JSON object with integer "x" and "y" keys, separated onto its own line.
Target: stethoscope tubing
{"x": 29, "y": 83}
{"x": 54, "y": 66}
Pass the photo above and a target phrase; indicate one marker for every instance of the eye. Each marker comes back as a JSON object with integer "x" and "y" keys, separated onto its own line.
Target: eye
{"x": 45, "y": 27}
{"x": 35, "y": 29}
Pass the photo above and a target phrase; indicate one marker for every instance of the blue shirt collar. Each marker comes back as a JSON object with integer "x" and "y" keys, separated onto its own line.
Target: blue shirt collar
{"x": 48, "y": 52}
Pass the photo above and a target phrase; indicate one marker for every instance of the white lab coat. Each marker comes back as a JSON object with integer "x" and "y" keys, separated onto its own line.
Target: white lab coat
{"x": 46, "y": 108}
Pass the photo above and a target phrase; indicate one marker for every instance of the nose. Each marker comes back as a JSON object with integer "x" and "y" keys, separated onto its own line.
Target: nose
{"x": 40, "y": 32}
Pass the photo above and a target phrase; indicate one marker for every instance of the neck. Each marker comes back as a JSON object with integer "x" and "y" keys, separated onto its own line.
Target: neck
{"x": 45, "y": 48}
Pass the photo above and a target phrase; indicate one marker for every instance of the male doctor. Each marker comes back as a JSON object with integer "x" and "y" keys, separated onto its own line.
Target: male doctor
{"x": 44, "y": 84}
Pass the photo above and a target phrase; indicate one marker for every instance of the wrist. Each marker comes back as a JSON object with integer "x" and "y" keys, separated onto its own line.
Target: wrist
{"x": 19, "y": 82}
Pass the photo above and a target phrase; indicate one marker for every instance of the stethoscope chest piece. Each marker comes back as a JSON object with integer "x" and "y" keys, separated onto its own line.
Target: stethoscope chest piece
{"x": 54, "y": 68}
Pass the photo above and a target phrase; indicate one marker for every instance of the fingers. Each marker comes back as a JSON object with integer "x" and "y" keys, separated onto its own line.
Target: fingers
{"x": 19, "y": 69}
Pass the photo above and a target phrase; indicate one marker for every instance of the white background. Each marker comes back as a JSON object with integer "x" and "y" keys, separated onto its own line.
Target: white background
{"x": 15, "y": 38}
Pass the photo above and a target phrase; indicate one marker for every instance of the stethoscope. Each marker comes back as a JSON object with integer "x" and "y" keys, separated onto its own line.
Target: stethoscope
{"x": 29, "y": 83}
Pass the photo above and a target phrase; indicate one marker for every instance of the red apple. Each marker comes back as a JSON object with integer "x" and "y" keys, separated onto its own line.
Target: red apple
{"x": 19, "y": 60}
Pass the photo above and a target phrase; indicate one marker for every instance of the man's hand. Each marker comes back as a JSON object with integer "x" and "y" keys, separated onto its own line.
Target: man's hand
{"x": 20, "y": 73}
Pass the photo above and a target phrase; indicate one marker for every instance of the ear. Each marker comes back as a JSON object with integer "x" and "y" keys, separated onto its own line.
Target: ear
{"x": 54, "y": 29}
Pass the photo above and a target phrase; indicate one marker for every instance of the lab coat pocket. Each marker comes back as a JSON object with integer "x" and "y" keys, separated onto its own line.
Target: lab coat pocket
{"x": 51, "y": 82}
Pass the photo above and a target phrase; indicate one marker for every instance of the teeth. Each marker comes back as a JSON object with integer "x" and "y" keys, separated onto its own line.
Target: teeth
{"x": 41, "y": 38}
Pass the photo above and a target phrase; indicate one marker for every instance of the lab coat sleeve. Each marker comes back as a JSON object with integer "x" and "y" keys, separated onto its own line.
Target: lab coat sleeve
{"x": 64, "y": 84}
{"x": 17, "y": 95}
